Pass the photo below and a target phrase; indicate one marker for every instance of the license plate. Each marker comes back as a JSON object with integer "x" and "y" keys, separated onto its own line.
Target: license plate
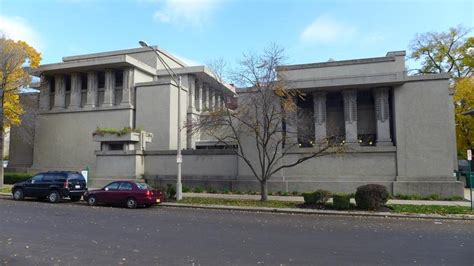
{"x": 158, "y": 200}
{"x": 77, "y": 186}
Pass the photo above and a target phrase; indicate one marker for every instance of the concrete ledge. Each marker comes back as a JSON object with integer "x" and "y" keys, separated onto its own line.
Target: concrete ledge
{"x": 323, "y": 212}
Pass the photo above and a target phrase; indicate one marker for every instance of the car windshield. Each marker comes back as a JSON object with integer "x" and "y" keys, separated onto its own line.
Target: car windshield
{"x": 143, "y": 186}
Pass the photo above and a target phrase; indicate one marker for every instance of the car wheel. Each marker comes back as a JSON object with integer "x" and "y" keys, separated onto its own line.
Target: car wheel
{"x": 18, "y": 194}
{"x": 54, "y": 196}
{"x": 92, "y": 200}
{"x": 74, "y": 199}
{"x": 131, "y": 203}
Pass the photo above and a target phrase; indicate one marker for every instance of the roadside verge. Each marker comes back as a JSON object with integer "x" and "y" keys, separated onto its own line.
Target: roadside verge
{"x": 322, "y": 212}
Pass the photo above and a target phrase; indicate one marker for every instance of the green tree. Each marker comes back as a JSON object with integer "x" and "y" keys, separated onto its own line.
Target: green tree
{"x": 15, "y": 58}
{"x": 451, "y": 52}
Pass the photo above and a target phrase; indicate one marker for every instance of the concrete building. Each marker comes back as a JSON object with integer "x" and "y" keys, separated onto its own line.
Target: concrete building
{"x": 400, "y": 128}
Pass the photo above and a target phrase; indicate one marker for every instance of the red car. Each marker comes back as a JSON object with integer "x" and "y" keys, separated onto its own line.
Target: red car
{"x": 129, "y": 193}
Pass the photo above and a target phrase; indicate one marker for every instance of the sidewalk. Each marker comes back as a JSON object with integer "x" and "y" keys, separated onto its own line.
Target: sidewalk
{"x": 300, "y": 199}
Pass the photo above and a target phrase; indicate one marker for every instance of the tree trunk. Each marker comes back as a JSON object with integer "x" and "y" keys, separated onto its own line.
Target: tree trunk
{"x": 263, "y": 190}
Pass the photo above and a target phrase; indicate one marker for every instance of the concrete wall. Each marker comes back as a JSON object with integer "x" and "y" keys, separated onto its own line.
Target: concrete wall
{"x": 22, "y": 136}
{"x": 373, "y": 164}
{"x": 64, "y": 140}
{"x": 347, "y": 68}
{"x": 156, "y": 112}
{"x": 425, "y": 131}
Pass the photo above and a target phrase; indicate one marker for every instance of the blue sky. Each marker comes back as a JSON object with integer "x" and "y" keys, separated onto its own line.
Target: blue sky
{"x": 202, "y": 30}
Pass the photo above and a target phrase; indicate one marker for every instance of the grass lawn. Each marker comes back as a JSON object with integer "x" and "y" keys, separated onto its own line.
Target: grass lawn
{"x": 430, "y": 209}
{"x": 240, "y": 203}
{"x": 6, "y": 189}
{"x": 421, "y": 209}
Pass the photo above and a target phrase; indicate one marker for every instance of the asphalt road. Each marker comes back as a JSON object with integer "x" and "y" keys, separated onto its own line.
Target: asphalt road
{"x": 39, "y": 233}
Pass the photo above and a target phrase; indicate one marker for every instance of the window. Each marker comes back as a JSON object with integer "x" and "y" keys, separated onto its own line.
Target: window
{"x": 83, "y": 82}
{"x": 67, "y": 80}
{"x": 143, "y": 186}
{"x": 118, "y": 78}
{"x": 101, "y": 79}
{"x": 76, "y": 176}
{"x": 125, "y": 186}
{"x": 48, "y": 178}
{"x": 115, "y": 146}
{"x": 36, "y": 178}
{"x": 113, "y": 186}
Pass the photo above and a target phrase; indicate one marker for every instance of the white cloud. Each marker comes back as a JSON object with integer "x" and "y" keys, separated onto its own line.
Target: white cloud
{"x": 17, "y": 28}
{"x": 326, "y": 30}
{"x": 194, "y": 13}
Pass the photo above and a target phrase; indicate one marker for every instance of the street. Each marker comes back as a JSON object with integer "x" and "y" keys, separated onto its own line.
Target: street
{"x": 39, "y": 233}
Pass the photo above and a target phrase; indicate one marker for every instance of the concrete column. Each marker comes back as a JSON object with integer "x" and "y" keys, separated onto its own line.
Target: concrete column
{"x": 45, "y": 90}
{"x": 92, "y": 87}
{"x": 76, "y": 85}
{"x": 350, "y": 115}
{"x": 191, "y": 94}
{"x": 319, "y": 107}
{"x": 205, "y": 97}
{"x": 291, "y": 122}
{"x": 221, "y": 100}
{"x": 198, "y": 95}
{"x": 109, "y": 88}
{"x": 212, "y": 99}
{"x": 127, "y": 87}
{"x": 382, "y": 115}
{"x": 59, "y": 92}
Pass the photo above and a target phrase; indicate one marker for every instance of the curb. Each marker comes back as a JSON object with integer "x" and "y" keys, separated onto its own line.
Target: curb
{"x": 462, "y": 217}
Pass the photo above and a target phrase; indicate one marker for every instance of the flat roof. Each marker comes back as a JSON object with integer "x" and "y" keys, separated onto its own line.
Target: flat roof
{"x": 122, "y": 52}
{"x": 389, "y": 57}
{"x": 203, "y": 73}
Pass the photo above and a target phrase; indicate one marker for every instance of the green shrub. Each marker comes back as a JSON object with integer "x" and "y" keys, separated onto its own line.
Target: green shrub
{"x": 319, "y": 197}
{"x": 225, "y": 191}
{"x": 341, "y": 201}
{"x": 322, "y": 196}
{"x": 186, "y": 189}
{"x": 170, "y": 191}
{"x": 309, "y": 198}
{"x": 295, "y": 193}
{"x": 211, "y": 190}
{"x": 433, "y": 197}
{"x": 198, "y": 190}
{"x": 371, "y": 196}
{"x": 12, "y": 178}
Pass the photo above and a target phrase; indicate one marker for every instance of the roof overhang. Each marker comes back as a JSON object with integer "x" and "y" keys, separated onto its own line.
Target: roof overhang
{"x": 202, "y": 73}
{"x": 93, "y": 64}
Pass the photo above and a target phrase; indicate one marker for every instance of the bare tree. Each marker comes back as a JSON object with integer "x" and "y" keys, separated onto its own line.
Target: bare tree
{"x": 218, "y": 67}
{"x": 259, "y": 128}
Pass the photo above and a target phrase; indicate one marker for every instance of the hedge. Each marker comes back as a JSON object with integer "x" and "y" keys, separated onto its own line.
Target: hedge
{"x": 341, "y": 201}
{"x": 12, "y": 178}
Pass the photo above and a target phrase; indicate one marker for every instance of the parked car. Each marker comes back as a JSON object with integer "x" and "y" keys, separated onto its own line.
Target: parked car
{"x": 128, "y": 193}
{"x": 53, "y": 185}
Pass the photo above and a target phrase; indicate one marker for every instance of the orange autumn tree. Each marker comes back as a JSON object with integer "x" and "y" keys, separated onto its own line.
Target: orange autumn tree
{"x": 450, "y": 52}
{"x": 464, "y": 98}
{"x": 15, "y": 58}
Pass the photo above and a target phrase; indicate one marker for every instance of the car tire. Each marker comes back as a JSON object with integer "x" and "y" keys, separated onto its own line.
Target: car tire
{"x": 132, "y": 203}
{"x": 18, "y": 194}
{"x": 92, "y": 201}
{"x": 74, "y": 199}
{"x": 53, "y": 196}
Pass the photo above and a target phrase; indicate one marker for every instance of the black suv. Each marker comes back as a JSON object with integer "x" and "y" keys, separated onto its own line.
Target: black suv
{"x": 51, "y": 185}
